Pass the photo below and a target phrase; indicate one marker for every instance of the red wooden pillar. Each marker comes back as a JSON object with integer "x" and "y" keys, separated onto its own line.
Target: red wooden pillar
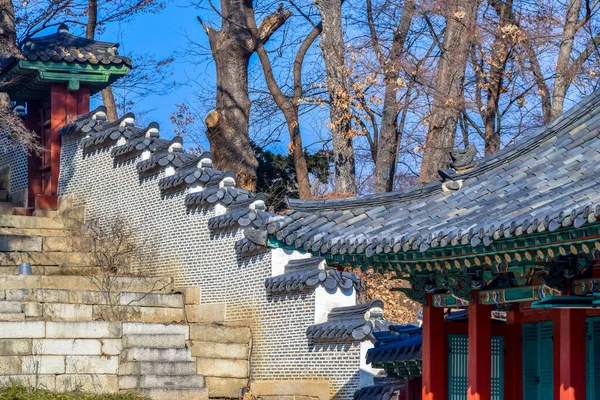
{"x": 65, "y": 105}
{"x": 34, "y": 123}
{"x": 434, "y": 366}
{"x": 480, "y": 351}
{"x": 572, "y": 354}
{"x": 513, "y": 366}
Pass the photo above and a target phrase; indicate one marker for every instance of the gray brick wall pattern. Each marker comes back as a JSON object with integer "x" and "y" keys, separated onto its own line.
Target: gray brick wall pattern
{"x": 185, "y": 248}
{"x": 15, "y": 162}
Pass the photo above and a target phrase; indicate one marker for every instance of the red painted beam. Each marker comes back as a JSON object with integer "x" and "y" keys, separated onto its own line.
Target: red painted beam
{"x": 480, "y": 351}
{"x": 572, "y": 354}
{"x": 34, "y": 162}
{"x": 434, "y": 353}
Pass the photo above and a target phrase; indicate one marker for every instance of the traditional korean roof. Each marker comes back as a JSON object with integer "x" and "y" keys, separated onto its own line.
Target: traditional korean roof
{"x": 543, "y": 183}
{"x": 61, "y": 57}
{"x": 64, "y": 46}
{"x": 354, "y": 323}
{"x": 383, "y": 388}
{"x": 400, "y": 343}
{"x": 307, "y": 273}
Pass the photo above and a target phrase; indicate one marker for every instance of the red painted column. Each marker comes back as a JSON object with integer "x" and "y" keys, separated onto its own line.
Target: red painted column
{"x": 434, "y": 366}
{"x": 572, "y": 354}
{"x": 513, "y": 365}
{"x": 34, "y": 162}
{"x": 480, "y": 351}
{"x": 64, "y": 107}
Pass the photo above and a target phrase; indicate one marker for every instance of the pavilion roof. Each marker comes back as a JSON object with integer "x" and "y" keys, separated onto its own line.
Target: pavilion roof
{"x": 64, "y": 46}
{"x": 544, "y": 182}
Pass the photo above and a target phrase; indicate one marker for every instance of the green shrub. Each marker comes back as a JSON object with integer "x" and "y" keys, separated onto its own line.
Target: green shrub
{"x": 19, "y": 392}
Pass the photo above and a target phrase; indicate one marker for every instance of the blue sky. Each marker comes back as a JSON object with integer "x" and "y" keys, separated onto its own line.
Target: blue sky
{"x": 162, "y": 35}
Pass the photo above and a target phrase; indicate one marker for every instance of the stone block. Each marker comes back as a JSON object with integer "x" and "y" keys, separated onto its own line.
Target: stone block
{"x": 141, "y": 314}
{"x": 2, "y": 294}
{"x": 52, "y": 296}
{"x": 42, "y": 381}
{"x": 159, "y": 382}
{"x": 177, "y": 394}
{"x": 157, "y": 355}
{"x": 307, "y": 388}
{"x": 10, "y": 365}
{"x": 84, "y": 330}
{"x": 91, "y": 297}
{"x": 67, "y": 312}
{"x": 225, "y": 387}
{"x": 12, "y": 317}
{"x": 220, "y": 333}
{"x": 222, "y": 367}
{"x": 67, "y": 346}
{"x": 15, "y": 347}
{"x": 158, "y": 368}
{"x": 206, "y": 312}
{"x": 32, "y": 309}
{"x": 7, "y": 307}
{"x": 95, "y": 383}
{"x": 43, "y": 364}
{"x": 134, "y": 328}
{"x": 191, "y": 295}
{"x": 237, "y": 351}
{"x": 92, "y": 364}
{"x": 151, "y": 299}
{"x": 20, "y": 221}
{"x": 65, "y": 244}
{"x": 20, "y": 243}
{"x": 111, "y": 347}
{"x": 15, "y": 330}
{"x": 154, "y": 341}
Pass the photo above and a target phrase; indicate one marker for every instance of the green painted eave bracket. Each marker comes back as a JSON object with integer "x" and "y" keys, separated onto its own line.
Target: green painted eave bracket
{"x": 567, "y": 302}
{"x": 24, "y": 73}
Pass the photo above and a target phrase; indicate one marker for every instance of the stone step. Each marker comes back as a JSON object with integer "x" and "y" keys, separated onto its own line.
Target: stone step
{"x": 174, "y": 300}
{"x": 154, "y": 341}
{"x": 158, "y": 368}
{"x": 161, "y": 382}
{"x": 45, "y": 213}
{"x": 12, "y": 317}
{"x": 6, "y": 208}
{"x": 176, "y": 394}
{"x": 51, "y": 270}
{"x": 136, "y": 328}
{"x": 124, "y": 283}
{"x": 26, "y": 222}
{"x": 18, "y": 243}
{"x": 158, "y": 355}
{"x": 43, "y": 259}
{"x": 35, "y": 232}
{"x": 66, "y": 244}
{"x": 10, "y": 307}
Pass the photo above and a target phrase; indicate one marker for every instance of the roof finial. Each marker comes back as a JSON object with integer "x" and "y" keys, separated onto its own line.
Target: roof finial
{"x": 463, "y": 159}
{"x": 63, "y": 28}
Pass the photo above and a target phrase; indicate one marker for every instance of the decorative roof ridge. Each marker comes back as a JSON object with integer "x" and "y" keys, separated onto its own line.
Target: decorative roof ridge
{"x": 381, "y": 389}
{"x": 483, "y": 165}
{"x": 307, "y": 273}
{"x": 352, "y": 323}
{"x": 85, "y": 123}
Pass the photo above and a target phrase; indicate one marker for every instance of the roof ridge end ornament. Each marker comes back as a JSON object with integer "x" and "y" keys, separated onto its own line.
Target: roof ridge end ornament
{"x": 462, "y": 159}
{"x": 449, "y": 183}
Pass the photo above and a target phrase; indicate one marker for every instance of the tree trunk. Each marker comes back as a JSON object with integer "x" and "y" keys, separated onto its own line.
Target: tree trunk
{"x": 390, "y": 134}
{"x": 448, "y": 97}
{"x": 499, "y": 58}
{"x": 333, "y": 50}
{"x": 108, "y": 98}
{"x": 563, "y": 73}
{"x": 8, "y": 35}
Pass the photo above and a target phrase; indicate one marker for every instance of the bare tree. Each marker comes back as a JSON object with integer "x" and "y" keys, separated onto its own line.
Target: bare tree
{"x": 333, "y": 50}
{"x": 448, "y": 100}
{"x": 231, "y": 47}
{"x": 391, "y": 132}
